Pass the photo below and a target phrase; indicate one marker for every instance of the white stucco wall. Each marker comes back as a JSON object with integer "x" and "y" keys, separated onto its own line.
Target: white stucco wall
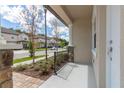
{"x": 8, "y": 37}
{"x": 122, "y": 49}
{"x": 99, "y": 55}
{"x": 81, "y": 39}
{"x": 22, "y": 37}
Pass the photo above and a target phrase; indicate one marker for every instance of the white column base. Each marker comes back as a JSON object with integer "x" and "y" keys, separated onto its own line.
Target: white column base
{"x": 70, "y": 45}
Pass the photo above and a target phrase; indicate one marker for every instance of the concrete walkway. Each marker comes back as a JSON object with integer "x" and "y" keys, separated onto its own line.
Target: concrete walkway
{"x": 72, "y": 76}
{"x": 30, "y": 61}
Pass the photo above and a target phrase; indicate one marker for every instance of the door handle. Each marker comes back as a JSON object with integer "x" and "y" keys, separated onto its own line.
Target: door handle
{"x": 111, "y": 49}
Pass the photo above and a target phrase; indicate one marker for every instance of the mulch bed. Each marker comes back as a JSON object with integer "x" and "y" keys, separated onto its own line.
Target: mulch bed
{"x": 38, "y": 74}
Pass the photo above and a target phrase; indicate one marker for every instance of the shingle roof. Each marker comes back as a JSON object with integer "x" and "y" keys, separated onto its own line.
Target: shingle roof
{"x": 8, "y": 31}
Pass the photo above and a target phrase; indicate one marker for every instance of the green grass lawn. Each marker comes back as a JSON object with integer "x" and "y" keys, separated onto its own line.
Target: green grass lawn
{"x": 41, "y": 49}
{"x": 26, "y": 59}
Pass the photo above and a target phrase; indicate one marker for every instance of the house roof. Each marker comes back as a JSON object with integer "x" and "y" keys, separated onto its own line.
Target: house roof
{"x": 41, "y": 36}
{"x": 9, "y": 31}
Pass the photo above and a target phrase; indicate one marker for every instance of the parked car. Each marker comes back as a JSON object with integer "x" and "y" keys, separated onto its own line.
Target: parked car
{"x": 53, "y": 48}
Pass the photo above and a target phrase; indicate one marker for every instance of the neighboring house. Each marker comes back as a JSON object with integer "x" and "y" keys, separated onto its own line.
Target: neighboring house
{"x": 49, "y": 42}
{"x": 52, "y": 42}
{"x": 23, "y": 39}
{"x": 97, "y": 35}
{"x": 11, "y": 37}
{"x": 40, "y": 41}
{"x": 2, "y": 40}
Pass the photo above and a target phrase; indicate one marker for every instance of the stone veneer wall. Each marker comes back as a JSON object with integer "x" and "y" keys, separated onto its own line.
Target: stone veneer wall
{"x": 71, "y": 53}
{"x": 6, "y": 59}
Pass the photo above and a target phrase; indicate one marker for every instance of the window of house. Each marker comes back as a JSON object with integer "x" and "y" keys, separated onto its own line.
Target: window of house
{"x": 25, "y": 38}
{"x": 94, "y": 34}
{"x": 94, "y": 40}
{"x": 12, "y": 37}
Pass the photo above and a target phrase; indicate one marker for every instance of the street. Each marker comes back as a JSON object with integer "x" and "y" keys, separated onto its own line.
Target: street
{"x": 25, "y": 53}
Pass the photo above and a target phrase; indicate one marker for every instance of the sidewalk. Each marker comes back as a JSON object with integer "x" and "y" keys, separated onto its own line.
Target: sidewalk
{"x": 30, "y": 61}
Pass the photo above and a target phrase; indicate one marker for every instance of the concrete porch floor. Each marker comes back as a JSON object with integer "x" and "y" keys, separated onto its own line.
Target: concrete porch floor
{"x": 72, "y": 75}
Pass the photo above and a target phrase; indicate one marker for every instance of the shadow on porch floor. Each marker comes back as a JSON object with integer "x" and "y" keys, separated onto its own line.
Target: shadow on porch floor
{"x": 72, "y": 75}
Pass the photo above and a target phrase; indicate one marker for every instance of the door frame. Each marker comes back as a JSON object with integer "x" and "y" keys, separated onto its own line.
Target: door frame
{"x": 113, "y": 34}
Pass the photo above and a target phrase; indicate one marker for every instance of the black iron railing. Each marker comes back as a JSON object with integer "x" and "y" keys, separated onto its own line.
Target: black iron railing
{"x": 60, "y": 59}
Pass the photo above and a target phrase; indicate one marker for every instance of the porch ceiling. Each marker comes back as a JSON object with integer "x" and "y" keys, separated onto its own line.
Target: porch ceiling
{"x": 68, "y": 13}
{"x": 78, "y": 11}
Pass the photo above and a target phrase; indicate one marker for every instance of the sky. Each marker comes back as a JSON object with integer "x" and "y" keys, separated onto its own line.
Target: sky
{"x": 10, "y": 18}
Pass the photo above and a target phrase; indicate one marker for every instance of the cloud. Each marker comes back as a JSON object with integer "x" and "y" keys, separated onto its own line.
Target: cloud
{"x": 11, "y": 13}
{"x": 65, "y": 37}
{"x": 60, "y": 30}
{"x": 63, "y": 31}
{"x": 49, "y": 17}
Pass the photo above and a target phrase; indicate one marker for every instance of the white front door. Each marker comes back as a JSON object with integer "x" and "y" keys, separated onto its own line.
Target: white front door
{"x": 113, "y": 46}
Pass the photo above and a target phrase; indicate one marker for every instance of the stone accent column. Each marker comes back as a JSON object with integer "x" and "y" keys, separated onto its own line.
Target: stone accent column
{"x": 6, "y": 59}
{"x": 70, "y": 47}
{"x": 71, "y": 53}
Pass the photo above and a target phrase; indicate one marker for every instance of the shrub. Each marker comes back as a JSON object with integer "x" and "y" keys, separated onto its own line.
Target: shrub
{"x": 20, "y": 67}
{"x": 46, "y": 68}
{"x": 52, "y": 65}
{"x": 59, "y": 59}
{"x": 30, "y": 66}
{"x": 37, "y": 68}
{"x": 42, "y": 66}
{"x": 51, "y": 62}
